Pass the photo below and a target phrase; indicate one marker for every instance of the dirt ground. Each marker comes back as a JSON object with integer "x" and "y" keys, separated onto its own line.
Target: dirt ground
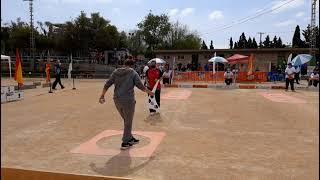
{"x": 212, "y": 134}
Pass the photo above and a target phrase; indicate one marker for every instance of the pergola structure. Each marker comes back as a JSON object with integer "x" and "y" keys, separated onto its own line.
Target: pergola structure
{"x": 9, "y": 61}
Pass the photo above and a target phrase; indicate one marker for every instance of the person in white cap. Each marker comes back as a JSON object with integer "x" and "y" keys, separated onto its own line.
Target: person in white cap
{"x": 290, "y": 72}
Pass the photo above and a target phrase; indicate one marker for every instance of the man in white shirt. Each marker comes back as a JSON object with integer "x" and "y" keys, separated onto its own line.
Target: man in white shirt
{"x": 145, "y": 69}
{"x": 228, "y": 75}
{"x": 314, "y": 79}
{"x": 166, "y": 75}
{"x": 290, "y": 71}
{"x": 297, "y": 75}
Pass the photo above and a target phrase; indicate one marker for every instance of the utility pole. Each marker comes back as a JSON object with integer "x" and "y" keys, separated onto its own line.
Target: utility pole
{"x": 32, "y": 41}
{"x": 313, "y": 37}
{"x": 260, "y": 33}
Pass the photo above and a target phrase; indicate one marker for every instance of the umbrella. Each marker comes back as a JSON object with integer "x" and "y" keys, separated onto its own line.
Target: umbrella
{"x": 218, "y": 59}
{"x": 238, "y": 59}
{"x": 214, "y": 60}
{"x": 301, "y": 59}
{"x": 158, "y": 61}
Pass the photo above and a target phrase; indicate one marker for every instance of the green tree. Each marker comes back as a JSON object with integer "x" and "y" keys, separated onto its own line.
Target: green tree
{"x": 279, "y": 43}
{"x": 296, "y": 40}
{"x": 254, "y": 43}
{"x": 242, "y": 43}
{"x": 235, "y": 45}
{"x": 179, "y": 37}
{"x": 211, "y": 45}
{"x": 307, "y": 34}
{"x": 155, "y": 28}
{"x": 5, "y": 34}
{"x": 136, "y": 44}
{"x": 123, "y": 40}
{"x": 249, "y": 43}
{"x": 231, "y": 43}
{"x": 274, "y": 42}
{"x": 204, "y": 46}
{"x": 266, "y": 43}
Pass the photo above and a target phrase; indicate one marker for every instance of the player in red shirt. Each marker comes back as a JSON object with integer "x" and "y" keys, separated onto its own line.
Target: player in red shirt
{"x": 153, "y": 74}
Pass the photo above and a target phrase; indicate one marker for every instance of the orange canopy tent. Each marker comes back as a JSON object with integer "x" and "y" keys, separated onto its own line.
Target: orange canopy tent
{"x": 238, "y": 59}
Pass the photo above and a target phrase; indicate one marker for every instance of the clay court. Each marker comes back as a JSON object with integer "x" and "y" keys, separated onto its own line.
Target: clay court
{"x": 200, "y": 134}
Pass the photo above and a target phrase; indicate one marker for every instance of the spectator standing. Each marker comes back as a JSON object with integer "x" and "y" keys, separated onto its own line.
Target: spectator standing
{"x": 297, "y": 74}
{"x": 152, "y": 76}
{"x": 290, "y": 71}
{"x": 228, "y": 75}
{"x": 57, "y": 71}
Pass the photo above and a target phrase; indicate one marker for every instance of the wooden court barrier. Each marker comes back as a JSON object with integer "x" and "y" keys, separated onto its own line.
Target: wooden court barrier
{"x": 22, "y": 174}
{"x": 37, "y": 83}
{"x": 45, "y": 85}
{"x": 26, "y": 86}
{"x": 200, "y": 86}
{"x": 247, "y": 86}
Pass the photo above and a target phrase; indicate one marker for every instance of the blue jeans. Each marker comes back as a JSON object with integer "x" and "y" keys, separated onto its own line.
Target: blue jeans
{"x": 281, "y": 77}
{"x": 275, "y": 77}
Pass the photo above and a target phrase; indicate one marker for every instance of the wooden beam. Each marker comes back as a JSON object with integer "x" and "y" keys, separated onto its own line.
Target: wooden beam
{"x": 23, "y": 174}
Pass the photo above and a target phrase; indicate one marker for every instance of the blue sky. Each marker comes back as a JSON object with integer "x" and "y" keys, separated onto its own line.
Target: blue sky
{"x": 207, "y": 17}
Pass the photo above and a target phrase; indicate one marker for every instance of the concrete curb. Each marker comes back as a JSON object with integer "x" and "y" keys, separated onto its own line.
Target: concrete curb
{"x": 215, "y": 86}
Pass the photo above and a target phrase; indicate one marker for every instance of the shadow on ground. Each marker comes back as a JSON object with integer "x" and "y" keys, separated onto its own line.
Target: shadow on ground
{"x": 154, "y": 119}
{"x": 119, "y": 165}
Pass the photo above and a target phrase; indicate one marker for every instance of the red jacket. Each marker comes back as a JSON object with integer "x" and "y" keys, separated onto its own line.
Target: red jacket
{"x": 152, "y": 75}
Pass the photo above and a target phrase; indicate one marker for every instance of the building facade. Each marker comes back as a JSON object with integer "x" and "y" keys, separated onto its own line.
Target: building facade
{"x": 264, "y": 58}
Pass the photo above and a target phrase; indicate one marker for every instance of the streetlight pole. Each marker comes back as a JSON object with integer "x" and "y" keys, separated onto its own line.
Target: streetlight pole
{"x": 260, "y": 33}
{"x": 32, "y": 41}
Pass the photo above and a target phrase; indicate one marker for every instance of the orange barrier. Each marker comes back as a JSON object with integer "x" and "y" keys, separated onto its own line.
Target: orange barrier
{"x": 207, "y": 76}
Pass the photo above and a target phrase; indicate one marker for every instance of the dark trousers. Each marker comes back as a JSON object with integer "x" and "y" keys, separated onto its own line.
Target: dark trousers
{"x": 313, "y": 82}
{"x": 166, "y": 81}
{"x": 297, "y": 78}
{"x": 126, "y": 110}
{"x": 157, "y": 96}
{"x": 291, "y": 81}
{"x": 58, "y": 80}
{"x": 228, "y": 81}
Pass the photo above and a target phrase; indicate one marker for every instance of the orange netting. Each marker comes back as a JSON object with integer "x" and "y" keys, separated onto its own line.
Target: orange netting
{"x": 207, "y": 76}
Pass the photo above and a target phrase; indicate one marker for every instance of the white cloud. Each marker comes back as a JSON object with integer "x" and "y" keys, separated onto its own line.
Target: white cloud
{"x": 116, "y": 10}
{"x": 285, "y": 23}
{"x": 300, "y": 14}
{"x": 71, "y": 1}
{"x": 215, "y": 15}
{"x": 173, "y": 12}
{"x": 186, "y": 12}
{"x": 103, "y": 1}
{"x": 284, "y": 7}
{"x": 307, "y": 19}
{"x": 51, "y": 1}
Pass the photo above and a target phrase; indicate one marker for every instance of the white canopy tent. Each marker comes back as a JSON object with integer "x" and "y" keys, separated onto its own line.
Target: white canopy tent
{"x": 9, "y": 61}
